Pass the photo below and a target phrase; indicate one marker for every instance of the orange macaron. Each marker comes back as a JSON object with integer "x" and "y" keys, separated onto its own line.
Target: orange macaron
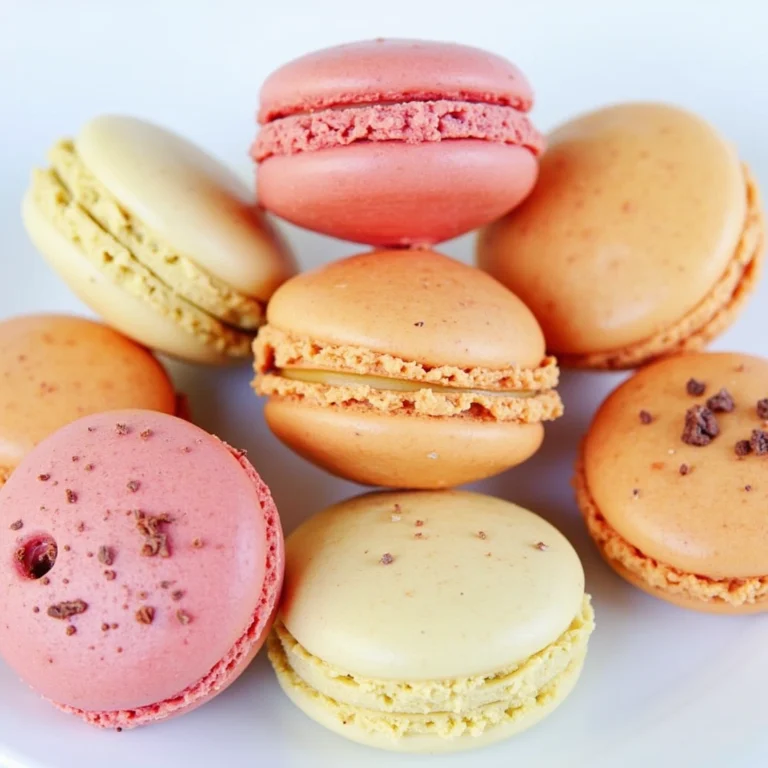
{"x": 672, "y": 481}
{"x": 643, "y": 237}
{"x": 405, "y": 369}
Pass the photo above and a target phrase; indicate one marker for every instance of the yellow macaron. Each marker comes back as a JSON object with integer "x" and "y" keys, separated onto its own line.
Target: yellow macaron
{"x": 157, "y": 237}
{"x": 431, "y": 621}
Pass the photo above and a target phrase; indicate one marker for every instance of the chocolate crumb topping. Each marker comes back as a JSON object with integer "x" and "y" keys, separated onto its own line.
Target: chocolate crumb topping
{"x": 700, "y": 426}
{"x": 75, "y": 458}
{"x": 636, "y": 493}
{"x": 105, "y": 627}
{"x": 419, "y": 324}
{"x": 17, "y": 526}
{"x": 183, "y": 617}
{"x": 684, "y": 469}
{"x": 110, "y": 575}
{"x": 165, "y": 584}
{"x": 747, "y": 488}
{"x": 44, "y": 478}
{"x": 722, "y": 402}
{"x": 145, "y": 615}
{"x": 186, "y": 449}
{"x": 155, "y": 542}
{"x": 71, "y": 630}
{"x": 386, "y": 559}
{"x": 65, "y": 581}
{"x": 45, "y": 581}
{"x": 89, "y": 467}
{"x": 695, "y": 387}
{"x": 106, "y": 556}
{"x": 66, "y": 609}
{"x": 762, "y": 408}
{"x": 67, "y": 547}
{"x": 20, "y": 555}
{"x": 645, "y": 417}
{"x": 177, "y": 595}
{"x": 80, "y": 527}
{"x": 71, "y": 496}
{"x": 115, "y": 626}
{"x": 759, "y": 442}
{"x": 146, "y": 434}
{"x": 197, "y": 543}
{"x": 482, "y": 535}
{"x": 133, "y": 485}
{"x": 541, "y": 546}
{"x": 742, "y": 448}
{"x": 143, "y": 595}
{"x": 121, "y": 429}
{"x": 419, "y": 523}
{"x": 418, "y": 535}
{"x": 35, "y": 610}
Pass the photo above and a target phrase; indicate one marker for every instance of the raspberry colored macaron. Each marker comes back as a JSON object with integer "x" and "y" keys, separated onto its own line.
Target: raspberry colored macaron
{"x": 55, "y": 369}
{"x": 672, "y": 481}
{"x": 141, "y": 561}
{"x": 395, "y": 142}
{"x": 384, "y": 368}
{"x": 644, "y": 237}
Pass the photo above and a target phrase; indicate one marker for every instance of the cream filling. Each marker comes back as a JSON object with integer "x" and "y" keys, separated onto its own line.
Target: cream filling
{"x": 334, "y": 379}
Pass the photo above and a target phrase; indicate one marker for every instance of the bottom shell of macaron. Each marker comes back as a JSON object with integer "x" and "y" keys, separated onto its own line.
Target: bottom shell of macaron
{"x": 432, "y": 716}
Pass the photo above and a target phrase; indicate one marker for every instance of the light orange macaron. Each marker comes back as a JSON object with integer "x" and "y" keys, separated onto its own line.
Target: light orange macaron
{"x": 673, "y": 481}
{"x": 643, "y": 237}
{"x": 405, "y": 369}
{"x": 55, "y": 369}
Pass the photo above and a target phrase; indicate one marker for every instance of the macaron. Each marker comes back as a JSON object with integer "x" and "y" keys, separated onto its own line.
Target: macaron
{"x": 432, "y": 621}
{"x": 644, "y": 237}
{"x": 395, "y": 142}
{"x": 384, "y": 367}
{"x": 157, "y": 237}
{"x": 55, "y": 369}
{"x": 672, "y": 481}
{"x": 143, "y": 560}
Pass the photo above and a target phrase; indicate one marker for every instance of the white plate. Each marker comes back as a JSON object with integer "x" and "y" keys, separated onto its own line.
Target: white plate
{"x": 661, "y": 685}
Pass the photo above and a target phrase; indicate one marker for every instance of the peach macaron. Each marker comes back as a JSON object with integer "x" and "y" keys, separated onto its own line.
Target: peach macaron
{"x": 644, "y": 237}
{"x": 57, "y": 368}
{"x": 672, "y": 481}
{"x": 142, "y": 565}
{"x": 395, "y": 142}
{"x": 405, "y": 369}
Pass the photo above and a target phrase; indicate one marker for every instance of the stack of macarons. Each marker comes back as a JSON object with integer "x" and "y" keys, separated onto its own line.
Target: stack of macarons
{"x": 144, "y": 557}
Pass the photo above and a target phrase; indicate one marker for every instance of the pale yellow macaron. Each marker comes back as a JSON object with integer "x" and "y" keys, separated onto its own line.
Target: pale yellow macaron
{"x": 431, "y": 621}
{"x": 644, "y": 236}
{"x": 157, "y": 237}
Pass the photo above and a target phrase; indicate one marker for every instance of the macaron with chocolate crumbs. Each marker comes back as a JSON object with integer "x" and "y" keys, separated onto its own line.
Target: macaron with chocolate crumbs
{"x": 696, "y": 533}
{"x": 382, "y": 367}
{"x": 367, "y": 642}
{"x": 643, "y": 237}
{"x": 163, "y": 656}
{"x": 55, "y": 369}
{"x": 395, "y": 142}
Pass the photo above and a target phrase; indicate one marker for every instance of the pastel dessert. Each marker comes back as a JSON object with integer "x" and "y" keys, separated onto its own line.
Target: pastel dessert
{"x": 644, "y": 237}
{"x": 142, "y": 568}
{"x": 395, "y": 142}
{"x": 157, "y": 237}
{"x": 430, "y": 621}
{"x": 384, "y": 367}
{"x": 55, "y": 369}
{"x": 672, "y": 481}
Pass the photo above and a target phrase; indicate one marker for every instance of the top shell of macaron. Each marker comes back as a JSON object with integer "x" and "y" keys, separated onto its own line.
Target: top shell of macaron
{"x": 376, "y": 71}
{"x": 188, "y": 198}
{"x": 417, "y": 305}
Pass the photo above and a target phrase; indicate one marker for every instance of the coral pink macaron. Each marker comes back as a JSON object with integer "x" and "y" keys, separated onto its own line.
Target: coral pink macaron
{"x": 141, "y": 561}
{"x": 395, "y": 142}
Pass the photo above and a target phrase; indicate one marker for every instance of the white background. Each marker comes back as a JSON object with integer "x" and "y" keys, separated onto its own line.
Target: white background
{"x": 661, "y": 685}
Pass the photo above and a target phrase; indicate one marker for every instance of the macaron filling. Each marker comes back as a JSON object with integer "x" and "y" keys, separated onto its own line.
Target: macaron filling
{"x": 448, "y": 708}
{"x": 412, "y": 122}
{"x": 663, "y": 576}
{"x": 49, "y": 197}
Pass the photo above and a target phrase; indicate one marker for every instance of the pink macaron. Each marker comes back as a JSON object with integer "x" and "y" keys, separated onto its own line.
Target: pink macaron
{"x": 141, "y": 561}
{"x": 395, "y": 142}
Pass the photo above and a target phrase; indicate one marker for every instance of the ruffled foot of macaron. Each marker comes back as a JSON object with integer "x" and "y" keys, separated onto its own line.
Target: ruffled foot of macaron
{"x": 157, "y": 237}
{"x": 384, "y": 368}
{"x": 430, "y": 622}
{"x": 644, "y": 237}
{"x": 142, "y": 565}
{"x": 395, "y": 142}
{"x": 673, "y": 485}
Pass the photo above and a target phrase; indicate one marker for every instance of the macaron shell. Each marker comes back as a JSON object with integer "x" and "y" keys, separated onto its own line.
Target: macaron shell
{"x": 125, "y": 312}
{"x": 58, "y": 368}
{"x": 415, "y": 194}
{"x": 396, "y": 617}
{"x": 160, "y": 465}
{"x": 417, "y": 305}
{"x": 392, "y": 70}
{"x": 705, "y": 522}
{"x": 401, "y": 451}
{"x": 187, "y": 198}
{"x": 595, "y": 252}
